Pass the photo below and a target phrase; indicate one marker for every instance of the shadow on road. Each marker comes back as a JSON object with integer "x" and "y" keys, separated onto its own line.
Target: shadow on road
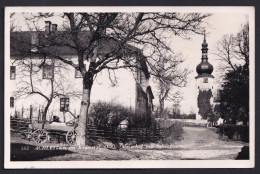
{"x": 26, "y": 152}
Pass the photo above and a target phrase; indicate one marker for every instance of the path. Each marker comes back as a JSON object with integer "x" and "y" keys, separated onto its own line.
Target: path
{"x": 197, "y": 143}
{"x": 203, "y": 143}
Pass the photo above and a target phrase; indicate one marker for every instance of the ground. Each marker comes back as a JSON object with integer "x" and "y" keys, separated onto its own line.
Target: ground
{"x": 196, "y": 143}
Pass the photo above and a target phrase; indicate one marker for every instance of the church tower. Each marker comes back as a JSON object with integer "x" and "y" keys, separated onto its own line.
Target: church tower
{"x": 204, "y": 83}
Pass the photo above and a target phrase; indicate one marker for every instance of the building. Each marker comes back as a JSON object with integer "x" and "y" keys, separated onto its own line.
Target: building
{"x": 144, "y": 95}
{"x": 48, "y": 74}
{"x": 204, "y": 79}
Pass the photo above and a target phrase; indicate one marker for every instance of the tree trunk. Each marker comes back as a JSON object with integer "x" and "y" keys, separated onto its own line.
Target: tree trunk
{"x": 82, "y": 122}
{"x": 161, "y": 107}
{"x": 45, "y": 113}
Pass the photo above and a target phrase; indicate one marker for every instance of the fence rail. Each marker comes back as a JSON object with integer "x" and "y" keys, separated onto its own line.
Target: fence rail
{"x": 114, "y": 134}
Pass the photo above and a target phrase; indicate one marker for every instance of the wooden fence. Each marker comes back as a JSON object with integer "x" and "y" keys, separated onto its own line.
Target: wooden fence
{"x": 135, "y": 134}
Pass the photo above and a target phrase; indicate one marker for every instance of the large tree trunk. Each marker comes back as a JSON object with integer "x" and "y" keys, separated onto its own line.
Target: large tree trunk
{"x": 45, "y": 113}
{"x": 81, "y": 129}
{"x": 85, "y": 103}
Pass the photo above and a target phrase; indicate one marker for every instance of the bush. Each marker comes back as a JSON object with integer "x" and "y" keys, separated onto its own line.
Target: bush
{"x": 108, "y": 114}
{"x": 105, "y": 117}
{"x": 105, "y": 114}
{"x": 173, "y": 130}
{"x": 234, "y": 132}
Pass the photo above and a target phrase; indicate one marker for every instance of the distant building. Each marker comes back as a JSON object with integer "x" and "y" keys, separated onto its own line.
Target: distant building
{"x": 25, "y": 43}
{"x": 204, "y": 79}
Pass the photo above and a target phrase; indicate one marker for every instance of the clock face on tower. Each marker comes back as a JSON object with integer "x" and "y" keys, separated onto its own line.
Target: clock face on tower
{"x": 205, "y": 80}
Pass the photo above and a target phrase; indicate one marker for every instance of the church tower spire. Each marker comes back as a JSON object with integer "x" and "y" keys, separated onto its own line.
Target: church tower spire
{"x": 204, "y": 83}
{"x": 204, "y": 48}
{"x": 204, "y": 68}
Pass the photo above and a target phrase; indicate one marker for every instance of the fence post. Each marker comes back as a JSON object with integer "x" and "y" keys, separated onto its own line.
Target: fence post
{"x": 22, "y": 112}
{"x": 39, "y": 114}
{"x": 31, "y": 113}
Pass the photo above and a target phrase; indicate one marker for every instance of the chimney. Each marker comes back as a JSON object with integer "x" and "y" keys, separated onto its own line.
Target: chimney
{"x": 54, "y": 27}
{"x": 47, "y": 27}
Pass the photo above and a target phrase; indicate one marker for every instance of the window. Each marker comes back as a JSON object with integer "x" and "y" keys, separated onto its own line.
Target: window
{"x": 64, "y": 104}
{"x": 12, "y": 72}
{"x": 11, "y": 102}
{"x": 77, "y": 74}
{"x": 205, "y": 80}
{"x": 47, "y": 72}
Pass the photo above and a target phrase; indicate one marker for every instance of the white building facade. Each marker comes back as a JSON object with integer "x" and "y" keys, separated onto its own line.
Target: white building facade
{"x": 33, "y": 78}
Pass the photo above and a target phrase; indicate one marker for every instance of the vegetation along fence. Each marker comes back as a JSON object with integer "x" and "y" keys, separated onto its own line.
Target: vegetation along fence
{"x": 234, "y": 132}
{"x": 136, "y": 134}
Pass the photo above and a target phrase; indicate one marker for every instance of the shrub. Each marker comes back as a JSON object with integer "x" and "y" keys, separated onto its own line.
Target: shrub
{"x": 105, "y": 118}
{"x": 234, "y": 132}
{"x": 105, "y": 114}
{"x": 173, "y": 130}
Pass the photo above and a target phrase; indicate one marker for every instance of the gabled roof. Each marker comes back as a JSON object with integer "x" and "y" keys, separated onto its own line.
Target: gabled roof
{"x": 61, "y": 43}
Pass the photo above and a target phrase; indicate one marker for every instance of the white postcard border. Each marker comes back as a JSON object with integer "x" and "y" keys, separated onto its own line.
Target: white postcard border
{"x": 131, "y": 163}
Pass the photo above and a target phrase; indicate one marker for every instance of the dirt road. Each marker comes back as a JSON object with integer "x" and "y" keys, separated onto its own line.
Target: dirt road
{"x": 197, "y": 143}
{"x": 203, "y": 143}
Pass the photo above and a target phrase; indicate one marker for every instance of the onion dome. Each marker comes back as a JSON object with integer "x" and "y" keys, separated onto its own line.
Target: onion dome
{"x": 204, "y": 68}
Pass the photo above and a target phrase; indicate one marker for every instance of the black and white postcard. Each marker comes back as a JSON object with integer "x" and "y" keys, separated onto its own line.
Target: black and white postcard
{"x": 129, "y": 87}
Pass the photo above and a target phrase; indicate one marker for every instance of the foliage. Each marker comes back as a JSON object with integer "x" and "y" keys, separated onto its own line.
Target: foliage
{"x": 173, "y": 130}
{"x": 173, "y": 133}
{"x": 105, "y": 114}
{"x": 182, "y": 116}
{"x": 234, "y": 132}
{"x": 204, "y": 105}
{"x": 234, "y": 96}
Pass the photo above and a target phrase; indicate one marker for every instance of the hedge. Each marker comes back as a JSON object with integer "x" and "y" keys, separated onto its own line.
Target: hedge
{"x": 234, "y": 132}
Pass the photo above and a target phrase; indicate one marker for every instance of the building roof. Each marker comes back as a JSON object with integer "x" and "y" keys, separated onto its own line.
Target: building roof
{"x": 61, "y": 43}
{"x": 204, "y": 67}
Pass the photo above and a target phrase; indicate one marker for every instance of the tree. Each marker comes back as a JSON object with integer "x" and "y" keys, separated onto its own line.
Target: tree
{"x": 204, "y": 104}
{"x": 169, "y": 77}
{"x": 233, "y": 50}
{"x": 176, "y": 110}
{"x": 234, "y": 95}
{"x": 55, "y": 84}
{"x": 106, "y": 40}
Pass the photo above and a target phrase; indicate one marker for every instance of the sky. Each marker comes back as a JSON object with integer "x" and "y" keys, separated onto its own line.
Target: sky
{"x": 220, "y": 24}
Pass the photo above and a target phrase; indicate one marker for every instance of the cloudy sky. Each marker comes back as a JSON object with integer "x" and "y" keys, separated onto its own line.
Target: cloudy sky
{"x": 223, "y": 21}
